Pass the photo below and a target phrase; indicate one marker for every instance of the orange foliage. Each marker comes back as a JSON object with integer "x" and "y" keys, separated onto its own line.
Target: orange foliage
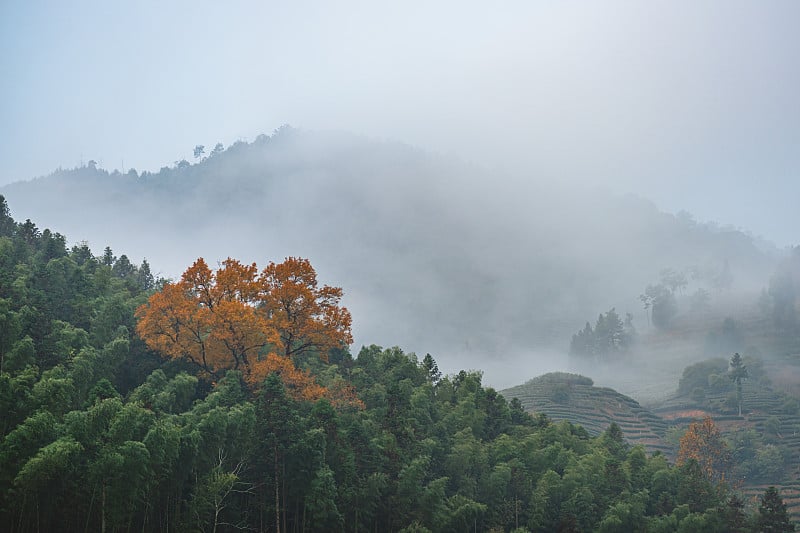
{"x": 307, "y": 316}
{"x": 235, "y": 318}
{"x": 299, "y": 384}
{"x": 206, "y": 319}
{"x": 342, "y": 395}
{"x": 703, "y": 443}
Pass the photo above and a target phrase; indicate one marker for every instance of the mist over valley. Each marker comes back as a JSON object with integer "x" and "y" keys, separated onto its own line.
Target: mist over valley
{"x": 435, "y": 255}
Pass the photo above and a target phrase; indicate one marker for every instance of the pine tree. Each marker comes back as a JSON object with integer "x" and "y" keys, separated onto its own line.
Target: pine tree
{"x": 772, "y": 515}
{"x": 145, "y": 276}
{"x": 737, "y": 373}
{"x": 108, "y": 258}
{"x": 431, "y": 369}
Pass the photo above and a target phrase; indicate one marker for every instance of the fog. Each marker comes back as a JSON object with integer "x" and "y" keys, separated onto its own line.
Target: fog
{"x": 481, "y": 180}
{"x": 434, "y": 254}
{"x": 692, "y": 105}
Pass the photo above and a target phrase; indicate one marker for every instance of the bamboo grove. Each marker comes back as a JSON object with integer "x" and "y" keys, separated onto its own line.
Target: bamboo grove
{"x": 228, "y": 400}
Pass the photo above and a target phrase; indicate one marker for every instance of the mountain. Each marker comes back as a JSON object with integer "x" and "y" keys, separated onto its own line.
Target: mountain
{"x": 434, "y": 254}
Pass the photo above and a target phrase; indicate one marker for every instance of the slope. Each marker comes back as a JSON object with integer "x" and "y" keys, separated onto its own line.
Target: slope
{"x": 574, "y": 398}
{"x": 439, "y": 255}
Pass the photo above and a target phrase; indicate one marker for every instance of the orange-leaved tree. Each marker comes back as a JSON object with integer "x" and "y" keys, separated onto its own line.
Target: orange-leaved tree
{"x": 307, "y": 316}
{"x": 703, "y": 442}
{"x": 228, "y": 320}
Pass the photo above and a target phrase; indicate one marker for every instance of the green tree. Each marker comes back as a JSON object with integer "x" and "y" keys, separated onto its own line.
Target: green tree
{"x": 277, "y": 427}
{"x": 215, "y": 492}
{"x": 583, "y": 342}
{"x": 7, "y": 224}
{"x": 45, "y": 474}
{"x": 614, "y": 441}
{"x": 108, "y": 257}
{"x": 145, "y": 276}
{"x": 772, "y": 514}
{"x": 610, "y": 336}
{"x": 123, "y": 268}
{"x": 664, "y": 307}
{"x": 738, "y": 373}
{"x": 10, "y": 329}
{"x": 431, "y": 369}
{"x": 323, "y": 514}
{"x": 733, "y": 515}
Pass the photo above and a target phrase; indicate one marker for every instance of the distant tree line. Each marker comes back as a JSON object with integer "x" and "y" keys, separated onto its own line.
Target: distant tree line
{"x": 609, "y": 337}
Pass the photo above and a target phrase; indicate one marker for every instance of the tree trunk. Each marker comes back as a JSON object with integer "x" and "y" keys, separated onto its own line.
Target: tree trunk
{"x": 739, "y": 394}
{"x": 103, "y": 510}
{"x": 89, "y": 513}
{"x": 296, "y": 524}
{"x": 22, "y": 510}
{"x": 277, "y": 493}
{"x": 283, "y": 482}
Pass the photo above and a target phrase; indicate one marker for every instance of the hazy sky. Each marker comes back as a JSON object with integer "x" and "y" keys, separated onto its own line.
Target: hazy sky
{"x": 693, "y": 104}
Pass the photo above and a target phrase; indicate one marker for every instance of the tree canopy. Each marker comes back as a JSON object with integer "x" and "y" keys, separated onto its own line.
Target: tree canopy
{"x": 237, "y": 319}
{"x": 122, "y": 420}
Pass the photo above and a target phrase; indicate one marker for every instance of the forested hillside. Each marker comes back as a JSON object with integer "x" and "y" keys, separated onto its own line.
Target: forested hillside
{"x": 393, "y": 223}
{"x": 131, "y": 403}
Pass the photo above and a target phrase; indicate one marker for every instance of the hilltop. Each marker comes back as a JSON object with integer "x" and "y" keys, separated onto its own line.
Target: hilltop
{"x": 438, "y": 255}
{"x": 573, "y": 397}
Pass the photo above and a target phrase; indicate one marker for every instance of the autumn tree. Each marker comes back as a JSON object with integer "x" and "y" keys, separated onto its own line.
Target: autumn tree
{"x": 308, "y": 317}
{"x": 210, "y": 319}
{"x": 236, "y": 318}
{"x": 704, "y": 443}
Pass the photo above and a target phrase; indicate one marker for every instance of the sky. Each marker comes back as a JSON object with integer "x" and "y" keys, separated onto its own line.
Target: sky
{"x": 692, "y": 104}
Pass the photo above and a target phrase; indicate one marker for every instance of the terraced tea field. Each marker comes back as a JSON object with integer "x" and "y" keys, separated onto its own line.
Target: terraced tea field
{"x": 574, "y": 398}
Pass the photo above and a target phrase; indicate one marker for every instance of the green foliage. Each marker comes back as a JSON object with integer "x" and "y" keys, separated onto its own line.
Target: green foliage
{"x": 769, "y": 463}
{"x": 21, "y": 355}
{"x": 563, "y": 377}
{"x": 772, "y": 515}
{"x": 50, "y": 464}
{"x": 610, "y": 337}
{"x": 97, "y": 434}
{"x": 699, "y": 375}
{"x": 659, "y": 302}
{"x": 738, "y": 373}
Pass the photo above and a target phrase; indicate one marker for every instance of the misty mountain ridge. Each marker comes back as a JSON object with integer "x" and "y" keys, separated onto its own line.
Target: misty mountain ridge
{"x": 434, "y": 254}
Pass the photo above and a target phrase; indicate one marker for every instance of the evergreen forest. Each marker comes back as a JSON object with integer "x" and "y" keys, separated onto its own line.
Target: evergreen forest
{"x": 229, "y": 400}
